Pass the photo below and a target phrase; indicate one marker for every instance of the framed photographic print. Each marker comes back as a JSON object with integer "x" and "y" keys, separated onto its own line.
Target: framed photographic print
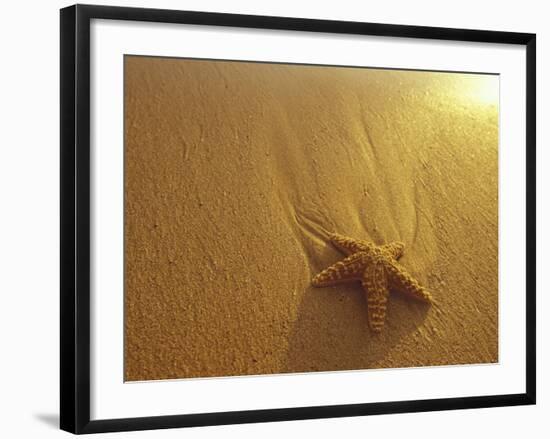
{"x": 268, "y": 218}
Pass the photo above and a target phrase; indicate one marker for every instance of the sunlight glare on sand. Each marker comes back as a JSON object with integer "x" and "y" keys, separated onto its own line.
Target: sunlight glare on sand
{"x": 481, "y": 89}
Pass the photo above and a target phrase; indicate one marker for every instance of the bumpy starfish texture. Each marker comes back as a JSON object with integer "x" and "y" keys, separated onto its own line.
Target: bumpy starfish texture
{"x": 377, "y": 269}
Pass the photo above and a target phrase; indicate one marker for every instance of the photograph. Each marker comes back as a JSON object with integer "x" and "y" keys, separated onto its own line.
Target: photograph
{"x": 274, "y": 219}
{"x": 288, "y": 218}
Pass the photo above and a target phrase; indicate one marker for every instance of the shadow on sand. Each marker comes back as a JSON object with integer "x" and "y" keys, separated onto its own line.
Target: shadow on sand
{"x": 331, "y": 331}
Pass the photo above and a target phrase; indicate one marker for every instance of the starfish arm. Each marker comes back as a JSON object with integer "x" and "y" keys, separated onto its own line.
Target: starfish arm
{"x": 395, "y": 249}
{"x": 348, "y": 269}
{"x": 375, "y": 284}
{"x": 406, "y": 284}
{"x": 347, "y": 245}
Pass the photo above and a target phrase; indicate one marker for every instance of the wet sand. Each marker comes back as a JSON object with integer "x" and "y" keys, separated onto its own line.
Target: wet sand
{"x": 236, "y": 172}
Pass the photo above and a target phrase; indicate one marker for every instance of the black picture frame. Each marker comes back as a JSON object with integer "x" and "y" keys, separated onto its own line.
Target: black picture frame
{"x": 75, "y": 217}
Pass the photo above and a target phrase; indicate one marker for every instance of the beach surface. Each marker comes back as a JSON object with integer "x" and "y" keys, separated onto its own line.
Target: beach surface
{"x": 235, "y": 174}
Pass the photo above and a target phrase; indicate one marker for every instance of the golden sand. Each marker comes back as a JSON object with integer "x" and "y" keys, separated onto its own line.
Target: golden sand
{"x": 236, "y": 173}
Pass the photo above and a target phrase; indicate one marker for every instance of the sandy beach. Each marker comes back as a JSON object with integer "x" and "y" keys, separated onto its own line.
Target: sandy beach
{"x": 235, "y": 174}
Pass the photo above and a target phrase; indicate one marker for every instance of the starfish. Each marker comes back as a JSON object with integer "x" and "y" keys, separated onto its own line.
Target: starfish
{"x": 378, "y": 270}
